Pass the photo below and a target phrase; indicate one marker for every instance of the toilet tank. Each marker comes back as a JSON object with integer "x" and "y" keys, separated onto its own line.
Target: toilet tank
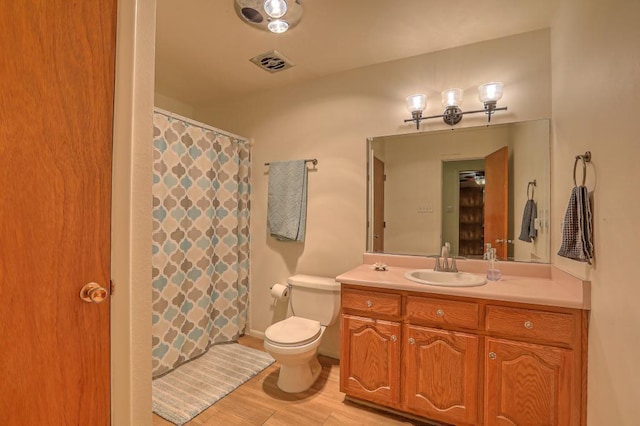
{"x": 315, "y": 298}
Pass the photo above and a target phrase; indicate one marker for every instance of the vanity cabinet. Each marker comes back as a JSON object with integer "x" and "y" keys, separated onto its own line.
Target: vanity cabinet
{"x": 463, "y": 361}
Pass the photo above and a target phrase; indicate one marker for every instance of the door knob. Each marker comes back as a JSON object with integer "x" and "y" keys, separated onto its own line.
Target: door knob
{"x": 502, "y": 241}
{"x": 93, "y": 293}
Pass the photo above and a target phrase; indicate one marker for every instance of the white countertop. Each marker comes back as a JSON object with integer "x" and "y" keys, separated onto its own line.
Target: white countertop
{"x": 560, "y": 289}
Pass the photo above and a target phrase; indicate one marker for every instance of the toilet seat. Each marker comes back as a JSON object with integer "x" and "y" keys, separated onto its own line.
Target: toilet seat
{"x": 293, "y": 331}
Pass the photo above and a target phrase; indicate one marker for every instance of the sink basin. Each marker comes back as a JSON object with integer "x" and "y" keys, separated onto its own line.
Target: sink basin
{"x": 445, "y": 279}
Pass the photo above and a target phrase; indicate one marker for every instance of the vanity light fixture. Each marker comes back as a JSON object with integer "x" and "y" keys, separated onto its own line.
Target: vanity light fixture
{"x": 488, "y": 93}
{"x": 416, "y": 104}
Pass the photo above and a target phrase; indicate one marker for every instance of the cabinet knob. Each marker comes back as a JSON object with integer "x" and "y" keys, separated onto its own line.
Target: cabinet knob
{"x": 440, "y": 313}
{"x": 369, "y": 303}
{"x": 528, "y": 325}
{"x": 394, "y": 338}
{"x": 412, "y": 341}
{"x": 492, "y": 355}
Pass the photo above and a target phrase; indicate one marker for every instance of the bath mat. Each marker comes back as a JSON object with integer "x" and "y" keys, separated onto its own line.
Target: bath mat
{"x": 193, "y": 387}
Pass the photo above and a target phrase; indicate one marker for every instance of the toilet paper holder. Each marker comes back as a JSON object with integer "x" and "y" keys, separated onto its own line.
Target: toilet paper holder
{"x": 280, "y": 291}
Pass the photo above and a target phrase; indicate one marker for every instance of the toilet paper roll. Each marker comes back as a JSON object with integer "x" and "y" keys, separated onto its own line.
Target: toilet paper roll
{"x": 280, "y": 291}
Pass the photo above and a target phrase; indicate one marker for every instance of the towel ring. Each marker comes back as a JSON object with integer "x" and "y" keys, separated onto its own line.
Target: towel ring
{"x": 531, "y": 185}
{"x": 586, "y": 158}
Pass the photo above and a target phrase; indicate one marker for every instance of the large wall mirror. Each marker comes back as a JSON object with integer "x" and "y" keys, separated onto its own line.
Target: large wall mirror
{"x": 469, "y": 187}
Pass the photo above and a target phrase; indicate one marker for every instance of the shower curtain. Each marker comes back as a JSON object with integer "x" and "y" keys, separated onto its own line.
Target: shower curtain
{"x": 200, "y": 252}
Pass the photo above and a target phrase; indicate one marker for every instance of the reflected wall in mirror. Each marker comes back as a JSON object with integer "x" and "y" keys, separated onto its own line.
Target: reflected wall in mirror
{"x": 467, "y": 186}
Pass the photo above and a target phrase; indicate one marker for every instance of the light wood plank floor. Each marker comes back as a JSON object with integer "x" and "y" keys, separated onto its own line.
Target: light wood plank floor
{"x": 260, "y": 402}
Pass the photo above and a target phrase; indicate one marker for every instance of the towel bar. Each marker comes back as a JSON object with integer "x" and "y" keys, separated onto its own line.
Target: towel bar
{"x": 310, "y": 160}
{"x": 531, "y": 185}
{"x": 586, "y": 158}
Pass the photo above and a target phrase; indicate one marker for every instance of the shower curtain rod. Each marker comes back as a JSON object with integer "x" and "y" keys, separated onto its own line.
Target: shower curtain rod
{"x": 199, "y": 124}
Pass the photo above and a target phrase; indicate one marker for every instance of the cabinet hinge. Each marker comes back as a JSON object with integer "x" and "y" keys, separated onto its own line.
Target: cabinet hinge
{"x": 112, "y": 287}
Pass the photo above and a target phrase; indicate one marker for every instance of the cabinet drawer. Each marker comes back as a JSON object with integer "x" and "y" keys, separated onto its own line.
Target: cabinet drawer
{"x": 371, "y": 302}
{"x": 528, "y": 323}
{"x": 443, "y": 312}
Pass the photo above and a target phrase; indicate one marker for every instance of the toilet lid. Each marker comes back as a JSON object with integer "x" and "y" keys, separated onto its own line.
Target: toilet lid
{"x": 293, "y": 331}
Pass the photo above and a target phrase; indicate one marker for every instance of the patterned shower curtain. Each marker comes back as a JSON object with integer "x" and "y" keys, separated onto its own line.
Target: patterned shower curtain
{"x": 200, "y": 240}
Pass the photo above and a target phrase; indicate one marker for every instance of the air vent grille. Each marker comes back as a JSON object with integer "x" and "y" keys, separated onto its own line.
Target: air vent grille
{"x": 272, "y": 61}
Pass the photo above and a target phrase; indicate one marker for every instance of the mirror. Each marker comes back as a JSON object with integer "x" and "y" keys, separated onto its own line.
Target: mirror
{"x": 466, "y": 186}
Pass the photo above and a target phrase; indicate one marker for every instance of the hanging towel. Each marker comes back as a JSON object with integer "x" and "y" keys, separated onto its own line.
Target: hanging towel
{"x": 527, "y": 229}
{"x": 287, "y": 200}
{"x": 577, "y": 233}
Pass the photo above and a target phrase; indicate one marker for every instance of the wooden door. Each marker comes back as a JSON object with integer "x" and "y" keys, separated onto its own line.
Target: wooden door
{"x": 527, "y": 384}
{"x": 378, "y": 205}
{"x": 56, "y": 118}
{"x": 441, "y": 380}
{"x": 370, "y": 350}
{"x": 496, "y": 200}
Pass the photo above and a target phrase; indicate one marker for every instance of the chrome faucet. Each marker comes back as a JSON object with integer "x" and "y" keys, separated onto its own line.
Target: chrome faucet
{"x": 446, "y": 266}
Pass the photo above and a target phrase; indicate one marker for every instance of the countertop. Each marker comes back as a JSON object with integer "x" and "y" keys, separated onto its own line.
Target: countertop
{"x": 558, "y": 289}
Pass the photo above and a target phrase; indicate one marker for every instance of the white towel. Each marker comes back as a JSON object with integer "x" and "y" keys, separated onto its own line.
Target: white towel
{"x": 577, "y": 232}
{"x": 287, "y": 200}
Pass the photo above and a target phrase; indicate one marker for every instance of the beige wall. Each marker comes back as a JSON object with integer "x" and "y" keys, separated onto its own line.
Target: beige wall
{"x": 596, "y": 95}
{"x": 173, "y": 105}
{"x": 330, "y": 119}
{"x": 531, "y": 162}
{"x": 418, "y": 158}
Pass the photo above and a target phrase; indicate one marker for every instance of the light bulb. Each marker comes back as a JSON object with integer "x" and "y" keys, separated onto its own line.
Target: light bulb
{"x": 275, "y": 8}
{"x": 416, "y": 103}
{"x": 490, "y": 92}
{"x": 452, "y": 97}
{"x": 278, "y": 26}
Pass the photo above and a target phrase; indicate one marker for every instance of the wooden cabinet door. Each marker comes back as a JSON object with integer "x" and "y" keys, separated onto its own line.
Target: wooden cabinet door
{"x": 441, "y": 380}
{"x": 370, "y": 354}
{"x": 528, "y": 384}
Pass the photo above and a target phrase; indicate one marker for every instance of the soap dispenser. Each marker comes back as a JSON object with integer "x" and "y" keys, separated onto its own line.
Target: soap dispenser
{"x": 487, "y": 251}
{"x": 493, "y": 269}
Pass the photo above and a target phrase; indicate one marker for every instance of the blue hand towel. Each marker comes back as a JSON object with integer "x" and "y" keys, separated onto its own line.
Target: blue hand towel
{"x": 287, "y": 200}
{"x": 527, "y": 229}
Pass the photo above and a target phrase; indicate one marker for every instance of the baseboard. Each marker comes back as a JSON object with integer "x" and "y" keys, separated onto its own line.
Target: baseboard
{"x": 255, "y": 333}
{"x": 330, "y": 354}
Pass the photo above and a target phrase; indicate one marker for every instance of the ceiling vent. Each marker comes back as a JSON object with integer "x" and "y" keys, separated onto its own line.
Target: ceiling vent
{"x": 272, "y": 61}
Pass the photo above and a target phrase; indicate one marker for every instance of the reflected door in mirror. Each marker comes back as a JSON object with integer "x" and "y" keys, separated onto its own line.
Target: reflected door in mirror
{"x": 496, "y": 200}
{"x": 378, "y": 205}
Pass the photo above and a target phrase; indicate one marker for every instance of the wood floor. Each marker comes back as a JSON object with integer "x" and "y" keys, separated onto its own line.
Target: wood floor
{"x": 260, "y": 402}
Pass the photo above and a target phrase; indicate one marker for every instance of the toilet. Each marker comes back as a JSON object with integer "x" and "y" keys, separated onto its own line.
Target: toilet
{"x": 294, "y": 342}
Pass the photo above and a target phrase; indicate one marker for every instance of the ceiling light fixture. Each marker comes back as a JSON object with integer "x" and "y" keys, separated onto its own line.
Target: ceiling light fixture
{"x": 276, "y": 16}
{"x": 275, "y": 8}
{"x": 278, "y": 26}
{"x": 488, "y": 93}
